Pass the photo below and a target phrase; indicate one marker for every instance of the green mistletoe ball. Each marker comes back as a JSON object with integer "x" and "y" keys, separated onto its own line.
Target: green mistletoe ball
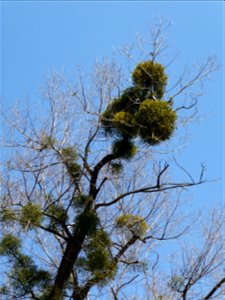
{"x": 155, "y": 121}
{"x": 150, "y": 75}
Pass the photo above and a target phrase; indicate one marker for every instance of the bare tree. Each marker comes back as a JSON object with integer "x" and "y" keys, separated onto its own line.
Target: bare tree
{"x": 81, "y": 207}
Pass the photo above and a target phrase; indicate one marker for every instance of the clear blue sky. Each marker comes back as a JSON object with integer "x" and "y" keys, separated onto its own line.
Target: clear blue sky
{"x": 37, "y": 37}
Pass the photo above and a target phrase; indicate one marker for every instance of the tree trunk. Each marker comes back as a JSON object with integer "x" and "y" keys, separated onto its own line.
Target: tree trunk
{"x": 72, "y": 251}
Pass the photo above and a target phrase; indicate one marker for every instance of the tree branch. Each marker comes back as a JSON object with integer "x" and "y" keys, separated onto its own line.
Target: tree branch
{"x": 106, "y": 159}
{"x": 214, "y": 289}
{"x": 151, "y": 189}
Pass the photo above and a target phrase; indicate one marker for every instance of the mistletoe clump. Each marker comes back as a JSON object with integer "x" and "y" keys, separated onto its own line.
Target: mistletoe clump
{"x": 118, "y": 117}
{"x": 31, "y": 215}
{"x": 151, "y": 75}
{"x": 25, "y": 274}
{"x": 156, "y": 121}
{"x": 132, "y": 224}
{"x": 87, "y": 217}
{"x": 98, "y": 259}
{"x": 58, "y": 215}
{"x": 140, "y": 111}
{"x": 69, "y": 157}
{"x": 124, "y": 148}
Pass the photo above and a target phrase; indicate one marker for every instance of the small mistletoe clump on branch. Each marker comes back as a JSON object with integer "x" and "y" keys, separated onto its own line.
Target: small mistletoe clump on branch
{"x": 140, "y": 110}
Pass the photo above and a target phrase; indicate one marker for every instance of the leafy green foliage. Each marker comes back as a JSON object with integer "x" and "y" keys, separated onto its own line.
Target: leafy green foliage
{"x": 140, "y": 111}
{"x": 25, "y": 275}
{"x": 132, "y": 223}
{"x": 69, "y": 156}
{"x": 99, "y": 260}
{"x": 123, "y": 121}
{"x": 116, "y": 167}
{"x": 151, "y": 75}
{"x": 9, "y": 245}
{"x": 132, "y": 97}
{"x": 124, "y": 148}
{"x": 8, "y": 215}
{"x": 31, "y": 215}
{"x": 87, "y": 222}
{"x": 58, "y": 213}
{"x": 74, "y": 170}
{"x": 155, "y": 121}
{"x": 47, "y": 142}
{"x": 128, "y": 103}
{"x": 100, "y": 238}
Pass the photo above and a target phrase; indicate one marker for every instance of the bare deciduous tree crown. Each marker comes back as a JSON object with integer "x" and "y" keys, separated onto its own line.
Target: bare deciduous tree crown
{"x": 87, "y": 201}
